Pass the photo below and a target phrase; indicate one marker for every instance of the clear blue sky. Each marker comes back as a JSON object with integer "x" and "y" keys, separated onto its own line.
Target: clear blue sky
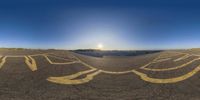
{"x": 117, "y": 24}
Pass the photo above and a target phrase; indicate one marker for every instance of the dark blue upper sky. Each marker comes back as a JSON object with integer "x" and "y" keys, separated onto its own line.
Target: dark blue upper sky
{"x": 116, "y": 24}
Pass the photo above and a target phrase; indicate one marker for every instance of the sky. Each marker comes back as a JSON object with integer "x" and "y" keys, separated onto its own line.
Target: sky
{"x": 85, "y": 24}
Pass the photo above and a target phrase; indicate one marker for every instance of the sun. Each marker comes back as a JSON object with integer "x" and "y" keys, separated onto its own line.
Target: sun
{"x": 100, "y": 46}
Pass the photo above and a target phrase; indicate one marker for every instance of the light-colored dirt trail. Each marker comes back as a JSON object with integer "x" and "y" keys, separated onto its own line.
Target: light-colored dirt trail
{"x": 94, "y": 71}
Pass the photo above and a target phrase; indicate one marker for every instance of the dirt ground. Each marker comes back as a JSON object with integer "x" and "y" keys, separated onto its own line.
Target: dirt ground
{"x": 176, "y": 77}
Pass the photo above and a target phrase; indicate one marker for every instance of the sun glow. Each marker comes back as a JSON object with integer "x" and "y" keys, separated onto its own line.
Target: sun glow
{"x": 100, "y": 46}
